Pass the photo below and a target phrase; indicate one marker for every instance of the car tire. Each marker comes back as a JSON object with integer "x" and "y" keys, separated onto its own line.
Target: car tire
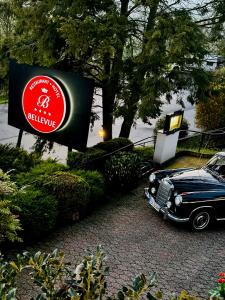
{"x": 200, "y": 220}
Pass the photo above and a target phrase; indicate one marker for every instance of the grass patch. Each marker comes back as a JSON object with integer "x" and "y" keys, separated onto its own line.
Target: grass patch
{"x": 186, "y": 162}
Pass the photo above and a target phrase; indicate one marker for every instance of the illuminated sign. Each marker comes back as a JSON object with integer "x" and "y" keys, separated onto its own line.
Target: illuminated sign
{"x": 44, "y": 104}
{"x": 173, "y": 122}
{"x": 52, "y": 104}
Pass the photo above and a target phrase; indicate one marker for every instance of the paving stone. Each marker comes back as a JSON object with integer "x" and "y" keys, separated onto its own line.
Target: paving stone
{"x": 137, "y": 240}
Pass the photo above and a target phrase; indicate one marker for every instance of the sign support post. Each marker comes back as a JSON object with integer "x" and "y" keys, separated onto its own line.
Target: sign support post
{"x": 166, "y": 146}
{"x": 167, "y": 139}
{"x": 18, "y": 144}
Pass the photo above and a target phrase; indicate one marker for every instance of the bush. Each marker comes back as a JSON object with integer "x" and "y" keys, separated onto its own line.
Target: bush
{"x": 50, "y": 273}
{"x": 92, "y": 159}
{"x": 122, "y": 142}
{"x": 96, "y": 183}
{"x": 9, "y": 222}
{"x": 38, "y": 174}
{"x": 144, "y": 153}
{"x": 160, "y": 125}
{"x": 38, "y": 212}
{"x": 72, "y": 193}
{"x": 206, "y": 142}
{"x": 115, "y": 144}
{"x": 16, "y": 158}
{"x": 121, "y": 170}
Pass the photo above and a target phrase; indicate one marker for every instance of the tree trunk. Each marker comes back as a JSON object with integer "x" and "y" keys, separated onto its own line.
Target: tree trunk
{"x": 126, "y": 127}
{"x": 110, "y": 86}
{"x": 127, "y": 123}
{"x": 108, "y": 97}
{"x": 135, "y": 92}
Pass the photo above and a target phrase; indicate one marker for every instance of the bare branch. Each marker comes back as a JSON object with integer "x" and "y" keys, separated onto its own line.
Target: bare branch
{"x": 207, "y": 19}
{"x": 95, "y": 67}
{"x": 200, "y": 7}
{"x": 132, "y": 8}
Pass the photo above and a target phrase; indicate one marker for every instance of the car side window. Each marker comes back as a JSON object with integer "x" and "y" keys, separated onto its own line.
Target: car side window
{"x": 217, "y": 164}
{"x": 222, "y": 170}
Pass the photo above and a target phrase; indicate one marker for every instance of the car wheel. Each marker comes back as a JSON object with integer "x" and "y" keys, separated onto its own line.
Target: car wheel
{"x": 200, "y": 220}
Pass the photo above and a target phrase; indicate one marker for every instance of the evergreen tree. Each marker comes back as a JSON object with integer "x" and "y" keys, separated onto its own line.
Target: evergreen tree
{"x": 135, "y": 50}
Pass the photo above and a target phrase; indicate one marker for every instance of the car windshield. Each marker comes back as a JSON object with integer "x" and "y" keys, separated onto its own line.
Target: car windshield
{"x": 217, "y": 164}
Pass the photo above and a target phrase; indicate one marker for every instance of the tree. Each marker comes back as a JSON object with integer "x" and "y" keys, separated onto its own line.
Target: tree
{"x": 122, "y": 44}
{"x": 85, "y": 36}
{"x": 169, "y": 62}
{"x": 210, "y": 111}
{"x": 6, "y": 29}
{"x": 171, "y": 56}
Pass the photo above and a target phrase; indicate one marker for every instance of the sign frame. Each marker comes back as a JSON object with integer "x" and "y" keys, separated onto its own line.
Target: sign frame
{"x": 78, "y": 93}
{"x": 168, "y": 128}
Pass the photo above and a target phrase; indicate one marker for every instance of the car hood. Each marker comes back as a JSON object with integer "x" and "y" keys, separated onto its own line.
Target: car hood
{"x": 196, "y": 180}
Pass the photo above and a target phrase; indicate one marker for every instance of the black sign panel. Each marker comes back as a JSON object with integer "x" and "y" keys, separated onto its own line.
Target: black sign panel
{"x": 52, "y": 104}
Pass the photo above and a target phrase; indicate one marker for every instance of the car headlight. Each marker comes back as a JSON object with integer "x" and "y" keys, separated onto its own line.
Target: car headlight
{"x": 178, "y": 200}
{"x": 153, "y": 190}
{"x": 152, "y": 177}
{"x": 168, "y": 204}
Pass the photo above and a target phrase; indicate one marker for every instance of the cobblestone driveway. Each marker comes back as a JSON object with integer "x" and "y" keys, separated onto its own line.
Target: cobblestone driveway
{"x": 136, "y": 239}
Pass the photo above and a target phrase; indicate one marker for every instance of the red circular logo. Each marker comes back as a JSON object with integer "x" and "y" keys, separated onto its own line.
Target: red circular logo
{"x": 44, "y": 104}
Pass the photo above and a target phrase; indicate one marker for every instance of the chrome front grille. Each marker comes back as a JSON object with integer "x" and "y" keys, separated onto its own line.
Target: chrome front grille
{"x": 164, "y": 193}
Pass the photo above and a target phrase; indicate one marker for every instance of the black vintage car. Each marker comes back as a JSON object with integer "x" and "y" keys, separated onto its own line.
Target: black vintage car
{"x": 194, "y": 196}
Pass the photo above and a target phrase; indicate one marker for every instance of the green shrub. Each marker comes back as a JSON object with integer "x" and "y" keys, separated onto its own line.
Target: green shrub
{"x": 9, "y": 222}
{"x": 190, "y": 143}
{"x": 72, "y": 193}
{"x": 160, "y": 125}
{"x": 121, "y": 170}
{"x": 144, "y": 153}
{"x": 39, "y": 173}
{"x": 75, "y": 159}
{"x": 92, "y": 159}
{"x": 38, "y": 212}
{"x": 207, "y": 142}
{"x": 16, "y": 158}
{"x": 7, "y": 187}
{"x": 122, "y": 142}
{"x": 115, "y": 144}
{"x": 96, "y": 183}
{"x": 50, "y": 273}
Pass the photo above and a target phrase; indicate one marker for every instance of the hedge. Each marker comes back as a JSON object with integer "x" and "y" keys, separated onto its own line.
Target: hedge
{"x": 16, "y": 158}
{"x": 72, "y": 193}
{"x": 38, "y": 212}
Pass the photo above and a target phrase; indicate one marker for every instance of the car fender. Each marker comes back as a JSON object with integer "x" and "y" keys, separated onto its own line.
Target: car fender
{"x": 202, "y": 208}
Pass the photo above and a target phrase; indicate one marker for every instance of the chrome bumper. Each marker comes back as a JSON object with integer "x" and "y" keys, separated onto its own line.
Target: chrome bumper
{"x": 164, "y": 210}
